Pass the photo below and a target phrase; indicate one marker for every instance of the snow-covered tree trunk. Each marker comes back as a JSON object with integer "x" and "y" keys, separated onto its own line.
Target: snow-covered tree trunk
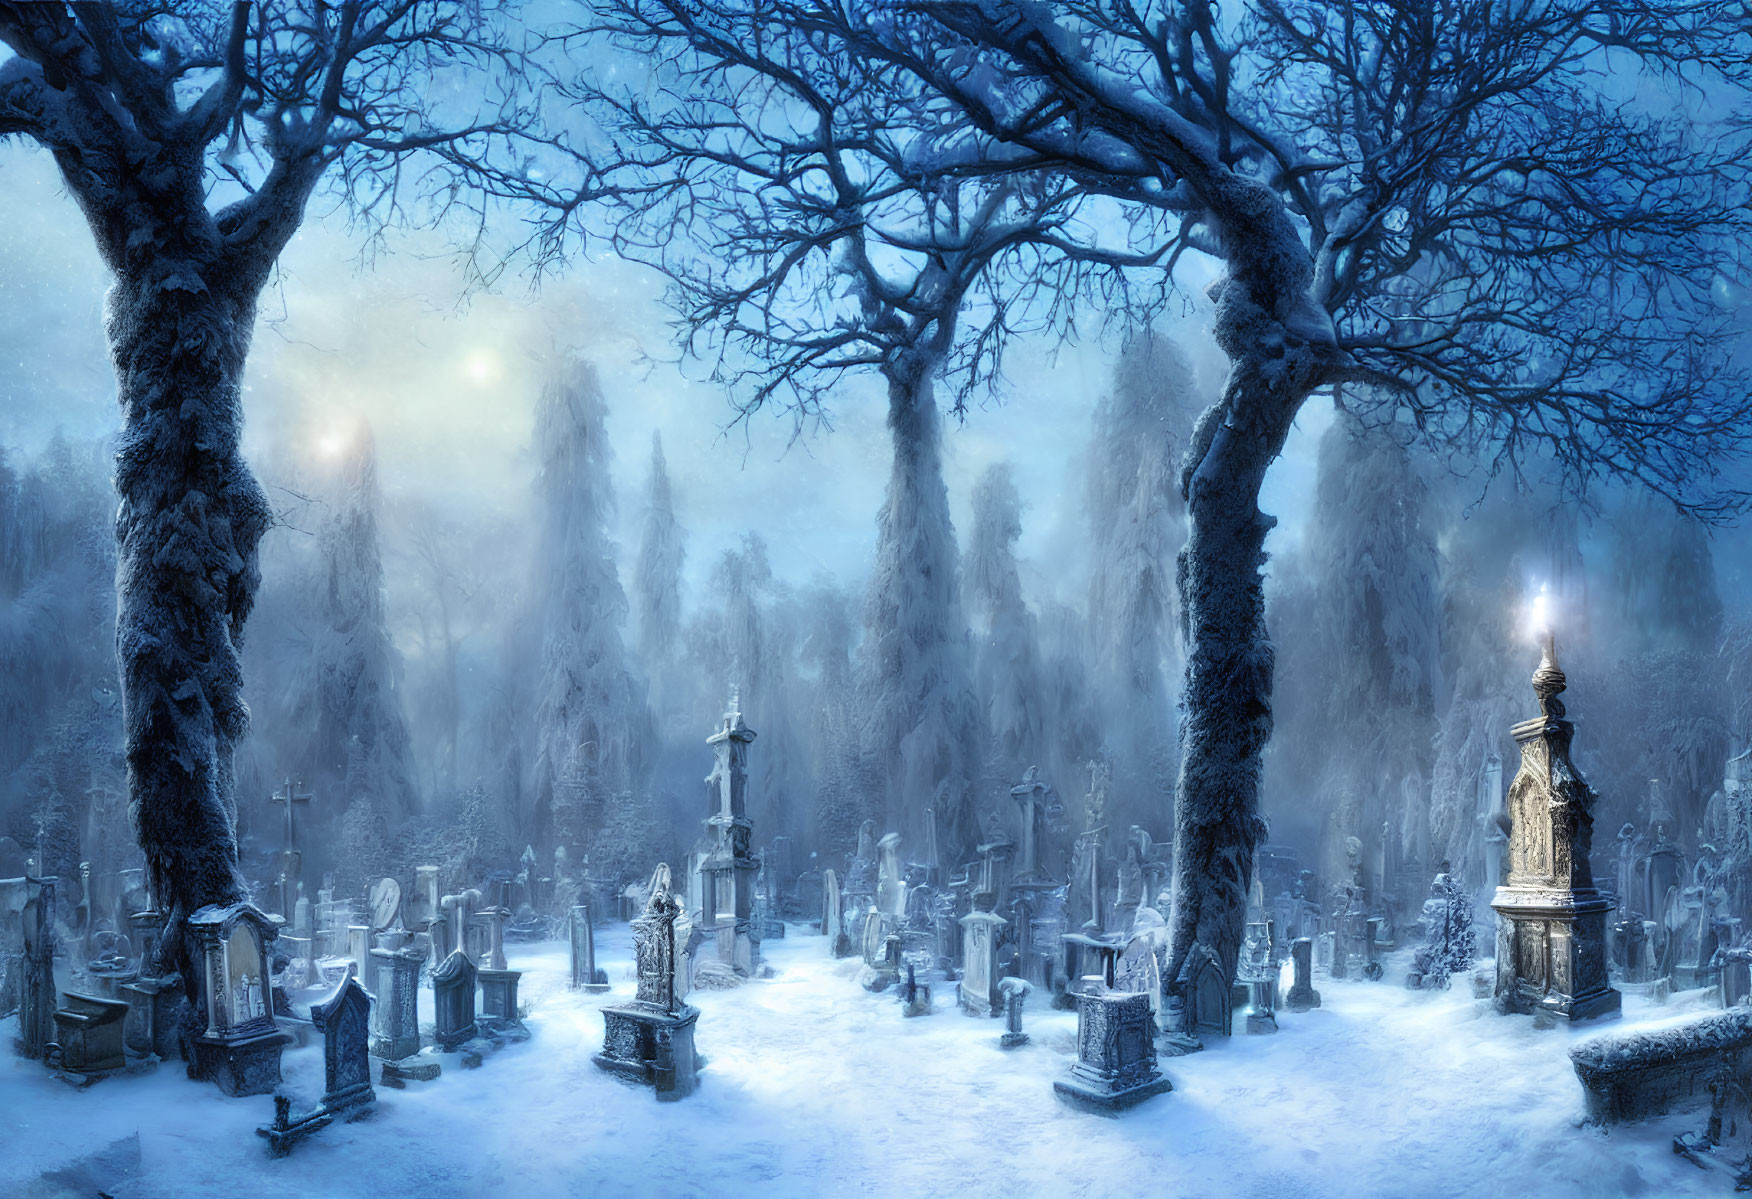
{"x": 190, "y": 519}
{"x": 1281, "y": 348}
{"x": 920, "y": 703}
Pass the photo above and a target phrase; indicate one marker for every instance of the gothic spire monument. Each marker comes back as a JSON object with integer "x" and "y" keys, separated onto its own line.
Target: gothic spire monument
{"x": 1551, "y": 921}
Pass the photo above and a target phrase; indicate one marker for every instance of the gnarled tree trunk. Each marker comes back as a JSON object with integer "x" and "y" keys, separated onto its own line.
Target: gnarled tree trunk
{"x": 1281, "y": 348}
{"x": 190, "y": 518}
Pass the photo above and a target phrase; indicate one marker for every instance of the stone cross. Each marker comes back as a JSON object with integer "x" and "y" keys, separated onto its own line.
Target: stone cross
{"x": 1029, "y": 794}
{"x": 290, "y": 796}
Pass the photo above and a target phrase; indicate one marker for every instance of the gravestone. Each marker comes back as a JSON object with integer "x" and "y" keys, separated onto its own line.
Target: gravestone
{"x": 585, "y": 975}
{"x": 830, "y": 908}
{"x": 423, "y": 905}
{"x": 1208, "y": 996}
{"x": 240, "y": 1042}
{"x": 978, "y": 990}
{"x": 1551, "y": 921}
{"x": 872, "y": 936}
{"x": 36, "y": 996}
{"x": 395, "y": 1024}
{"x": 1302, "y": 994}
{"x": 453, "y": 994}
{"x": 499, "y": 1003}
{"x": 890, "y": 887}
{"x": 651, "y": 1040}
{"x": 344, "y": 1020}
{"x": 1014, "y": 990}
{"x": 359, "y": 953}
{"x": 386, "y": 898}
{"x": 1116, "y": 1054}
{"x": 884, "y": 972}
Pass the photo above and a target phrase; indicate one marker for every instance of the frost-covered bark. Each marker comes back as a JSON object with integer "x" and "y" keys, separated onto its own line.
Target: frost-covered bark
{"x": 1281, "y": 348}
{"x": 190, "y": 520}
{"x": 923, "y": 718}
{"x": 592, "y": 725}
{"x": 131, "y": 100}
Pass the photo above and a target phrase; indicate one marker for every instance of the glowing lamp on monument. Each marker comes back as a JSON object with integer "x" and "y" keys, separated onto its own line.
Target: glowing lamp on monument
{"x": 1551, "y": 921}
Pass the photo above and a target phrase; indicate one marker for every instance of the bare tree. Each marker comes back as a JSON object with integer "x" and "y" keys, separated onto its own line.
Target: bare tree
{"x": 1435, "y": 204}
{"x": 830, "y": 231}
{"x": 192, "y": 136}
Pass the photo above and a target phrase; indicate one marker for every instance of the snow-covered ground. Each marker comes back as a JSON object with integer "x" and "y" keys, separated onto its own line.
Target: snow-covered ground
{"x": 814, "y": 1087}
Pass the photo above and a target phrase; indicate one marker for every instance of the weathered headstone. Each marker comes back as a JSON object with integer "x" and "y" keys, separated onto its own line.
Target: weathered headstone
{"x": 395, "y": 1023}
{"x": 1209, "y": 1000}
{"x": 890, "y": 886}
{"x": 453, "y": 994}
{"x": 585, "y": 975}
{"x": 1551, "y": 921}
{"x": 978, "y": 990}
{"x": 1302, "y": 994}
{"x": 651, "y": 1039}
{"x": 499, "y": 1003}
{"x": 386, "y": 898}
{"x": 1015, "y": 991}
{"x": 1116, "y": 1054}
{"x": 830, "y": 907}
{"x": 344, "y": 1021}
{"x": 240, "y": 1042}
{"x": 36, "y": 997}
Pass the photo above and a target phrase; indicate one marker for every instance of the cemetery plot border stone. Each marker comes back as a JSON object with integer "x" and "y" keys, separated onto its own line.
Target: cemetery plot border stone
{"x": 1116, "y": 1055}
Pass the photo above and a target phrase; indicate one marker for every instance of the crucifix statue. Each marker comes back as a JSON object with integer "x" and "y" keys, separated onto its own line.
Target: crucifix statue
{"x": 290, "y": 860}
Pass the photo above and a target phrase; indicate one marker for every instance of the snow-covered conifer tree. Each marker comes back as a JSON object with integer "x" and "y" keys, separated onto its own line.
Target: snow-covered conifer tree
{"x": 593, "y": 729}
{"x": 1007, "y": 668}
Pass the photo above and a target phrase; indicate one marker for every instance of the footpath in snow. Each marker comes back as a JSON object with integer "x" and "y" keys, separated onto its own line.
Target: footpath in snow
{"x": 814, "y": 1087}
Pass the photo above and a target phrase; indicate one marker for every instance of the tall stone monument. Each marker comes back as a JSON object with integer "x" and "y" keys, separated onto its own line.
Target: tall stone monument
{"x": 1551, "y": 921}
{"x": 728, "y": 872}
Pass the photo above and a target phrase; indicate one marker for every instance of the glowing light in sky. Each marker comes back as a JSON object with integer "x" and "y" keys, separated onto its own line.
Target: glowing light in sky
{"x": 481, "y": 365}
{"x": 330, "y": 445}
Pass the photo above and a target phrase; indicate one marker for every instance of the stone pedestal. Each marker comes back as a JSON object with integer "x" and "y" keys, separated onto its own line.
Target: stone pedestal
{"x": 1116, "y": 1054}
{"x": 727, "y": 873}
{"x": 1551, "y": 921}
{"x": 88, "y": 1033}
{"x": 151, "y": 1026}
{"x": 395, "y": 1017}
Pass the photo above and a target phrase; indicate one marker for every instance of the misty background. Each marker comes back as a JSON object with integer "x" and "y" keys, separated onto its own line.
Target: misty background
{"x": 392, "y": 415}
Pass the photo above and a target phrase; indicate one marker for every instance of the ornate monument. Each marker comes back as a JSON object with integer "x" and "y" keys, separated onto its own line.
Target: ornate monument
{"x": 728, "y": 872}
{"x": 1551, "y": 921}
{"x": 650, "y": 1040}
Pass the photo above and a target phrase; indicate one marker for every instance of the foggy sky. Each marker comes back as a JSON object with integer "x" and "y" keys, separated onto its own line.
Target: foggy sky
{"x": 448, "y": 381}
